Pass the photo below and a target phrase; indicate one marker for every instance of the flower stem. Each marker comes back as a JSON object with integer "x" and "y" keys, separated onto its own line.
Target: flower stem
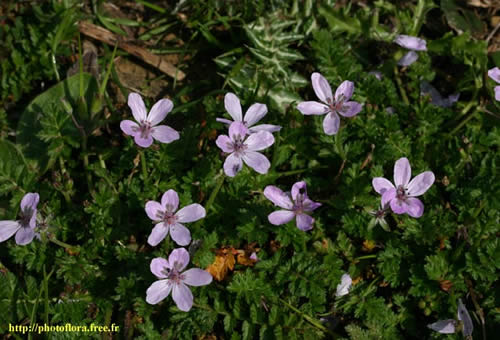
{"x": 366, "y": 257}
{"x": 63, "y": 244}
{"x": 309, "y": 319}
{"x": 214, "y": 193}
{"x": 400, "y": 86}
{"x": 143, "y": 165}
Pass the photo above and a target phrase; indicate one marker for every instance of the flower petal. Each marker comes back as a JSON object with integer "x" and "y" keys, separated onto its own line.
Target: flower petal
{"x": 494, "y": 74}
{"x": 137, "y": 106}
{"x": 190, "y": 213}
{"x": 312, "y": 108}
{"x": 144, "y": 142}
{"x": 30, "y": 201}
{"x": 264, "y": 127}
{"x": 309, "y": 205}
{"x": 164, "y": 134}
{"x": 255, "y": 113}
{"x": 257, "y": 161}
{"x": 463, "y": 315}
{"x": 278, "y": 197}
{"x": 280, "y": 217}
{"x": 158, "y": 291}
{"x": 443, "y": 326}
{"x": 304, "y": 222}
{"x": 153, "y": 209}
{"x": 183, "y": 297}
{"x": 388, "y": 196}
{"x": 170, "y": 201}
{"x": 344, "y": 286}
{"x": 259, "y": 141}
{"x": 321, "y": 87}
{"x": 402, "y": 172}
{"x": 237, "y": 131}
{"x": 399, "y": 206}
{"x": 232, "y": 165}
{"x": 223, "y": 120}
{"x": 158, "y": 233}
{"x": 344, "y": 91}
{"x": 411, "y": 43}
{"x": 415, "y": 207}
{"x": 159, "y": 111}
{"x": 497, "y": 93}
{"x": 350, "y": 109}
{"x": 196, "y": 277}
{"x": 7, "y": 229}
{"x": 233, "y": 106}
{"x": 225, "y": 143}
{"x": 129, "y": 127}
{"x": 381, "y": 184}
{"x": 178, "y": 259}
{"x": 408, "y": 59}
{"x": 180, "y": 234}
{"x": 331, "y": 123}
{"x": 159, "y": 266}
{"x": 421, "y": 183}
{"x": 299, "y": 188}
{"x": 24, "y": 236}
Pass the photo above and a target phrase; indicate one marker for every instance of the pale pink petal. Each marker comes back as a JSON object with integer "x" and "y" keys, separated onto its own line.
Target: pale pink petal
{"x": 129, "y": 127}
{"x": 180, "y": 234}
{"x": 344, "y": 91}
{"x": 30, "y": 201}
{"x": 144, "y": 142}
{"x": 411, "y": 43}
{"x": 24, "y": 236}
{"x": 179, "y": 259}
{"x": 225, "y": 143}
{"x": 312, "y": 108}
{"x": 399, "y": 206}
{"x": 321, "y": 87}
{"x": 443, "y": 326}
{"x": 183, "y": 297}
{"x": 331, "y": 123}
{"x": 164, "y": 134}
{"x": 494, "y": 74}
{"x": 299, "y": 188}
{"x": 264, "y": 127}
{"x": 170, "y": 201}
{"x": 415, "y": 207}
{"x": 159, "y": 266}
{"x": 304, "y": 222}
{"x": 259, "y": 141}
{"x": 381, "y": 184}
{"x": 421, "y": 183}
{"x": 196, "y": 277}
{"x": 223, "y": 120}
{"x": 278, "y": 197}
{"x": 190, "y": 213}
{"x": 280, "y": 217}
{"x": 257, "y": 161}
{"x": 158, "y": 234}
{"x": 408, "y": 59}
{"x": 254, "y": 114}
{"x": 232, "y": 165}
{"x": 137, "y": 106}
{"x": 388, "y": 196}
{"x": 233, "y": 106}
{"x": 7, "y": 229}
{"x": 497, "y": 93}
{"x": 159, "y": 111}
{"x": 154, "y": 210}
{"x": 309, "y": 205}
{"x": 402, "y": 172}
{"x": 158, "y": 291}
{"x": 237, "y": 130}
{"x": 350, "y": 109}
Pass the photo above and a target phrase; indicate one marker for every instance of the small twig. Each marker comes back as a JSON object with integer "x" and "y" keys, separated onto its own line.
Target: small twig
{"x": 492, "y": 34}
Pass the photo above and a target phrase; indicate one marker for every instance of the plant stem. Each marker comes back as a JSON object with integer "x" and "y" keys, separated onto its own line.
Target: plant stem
{"x": 400, "y": 86}
{"x": 309, "y": 319}
{"x": 63, "y": 244}
{"x": 143, "y": 165}
{"x": 214, "y": 193}
{"x": 366, "y": 257}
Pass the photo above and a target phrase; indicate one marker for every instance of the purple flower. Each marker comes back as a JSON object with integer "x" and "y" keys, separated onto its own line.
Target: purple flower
{"x": 329, "y": 105}
{"x": 147, "y": 129}
{"x": 344, "y": 286}
{"x": 242, "y": 149}
{"x": 463, "y": 315}
{"x": 444, "y": 326}
{"x": 167, "y": 219}
{"x": 494, "y": 74}
{"x": 299, "y": 208}
{"x": 254, "y": 113}
{"x": 174, "y": 279}
{"x": 413, "y": 44}
{"x": 25, "y": 227}
{"x": 402, "y": 196}
{"x": 436, "y": 97}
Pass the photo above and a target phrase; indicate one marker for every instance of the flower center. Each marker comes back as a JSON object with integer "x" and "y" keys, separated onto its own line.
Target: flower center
{"x": 238, "y": 145}
{"x": 145, "y": 128}
{"x": 173, "y": 274}
{"x": 336, "y": 106}
{"x": 298, "y": 205}
{"x": 26, "y": 215}
{"x": 401, "y": 193}
{"x": 167, "y": 217}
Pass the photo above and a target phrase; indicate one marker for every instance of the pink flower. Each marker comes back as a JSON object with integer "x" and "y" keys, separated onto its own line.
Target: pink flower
{"x": 244, "y": 149}
{"x": 494, "y": 74}
{"x": 329, "y": 105}
{"x": 402, "y": 196}
{"x": 254, "y": 113}
{"x": 147, "y": 129}
{"x": 413, "y": 44}
{"x": 25, "y": 227}
{"x": 298, "y": 208}
{"x": 169, "y": 220}
{"x": 174, "y": 279}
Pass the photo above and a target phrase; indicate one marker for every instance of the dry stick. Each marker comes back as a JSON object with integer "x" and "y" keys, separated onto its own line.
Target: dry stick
{"x": 110, "y": 38}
